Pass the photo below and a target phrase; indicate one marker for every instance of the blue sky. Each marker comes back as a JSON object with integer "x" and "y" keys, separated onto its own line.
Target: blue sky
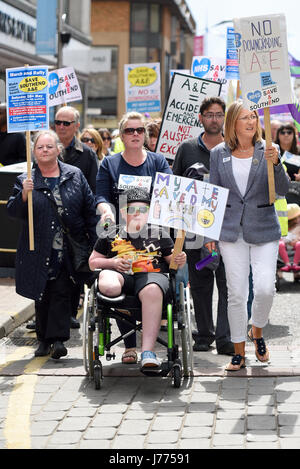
{"x": 207, "y": 14}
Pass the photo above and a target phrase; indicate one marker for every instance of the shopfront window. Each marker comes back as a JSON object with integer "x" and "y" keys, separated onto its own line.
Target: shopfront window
{"x": 145, "y": 36}
{"x": 139, "y": 18}
{"x": 2, "y": 86}
{"x": 103, "y": 81}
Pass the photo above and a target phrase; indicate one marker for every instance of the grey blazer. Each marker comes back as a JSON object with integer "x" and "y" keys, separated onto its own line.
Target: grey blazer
{"x": 252, "y": 212}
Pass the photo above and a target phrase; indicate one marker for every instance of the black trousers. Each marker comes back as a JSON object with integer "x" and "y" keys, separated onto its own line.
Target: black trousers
{"x": 202, "y": 286}
{"x": 53, "y": 313}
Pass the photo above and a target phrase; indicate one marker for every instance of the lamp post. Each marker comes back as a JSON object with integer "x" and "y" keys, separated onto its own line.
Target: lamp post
{"x": 60, "y": 22}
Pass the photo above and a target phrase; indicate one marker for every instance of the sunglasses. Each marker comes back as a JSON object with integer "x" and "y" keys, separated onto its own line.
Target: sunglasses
{"x": 86, "y": 140}
{"x": 131, "y": 209}
{"x": 65, "y": 123}
{"x": 106, "y": 138}
{"x": 131, "y": 130}
{"x": 286, "y": 132}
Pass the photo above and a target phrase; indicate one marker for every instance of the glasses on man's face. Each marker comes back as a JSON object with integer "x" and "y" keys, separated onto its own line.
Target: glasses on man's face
{"x": 132, "y": 209}
{"x": 87, "y": 140}
{"x": 212, "y": 115}
{"x": 64, "y": 123}
{"x": 250, "y": 118}
{"x": 286, "y": 132}
{"x": 131, "y": 130}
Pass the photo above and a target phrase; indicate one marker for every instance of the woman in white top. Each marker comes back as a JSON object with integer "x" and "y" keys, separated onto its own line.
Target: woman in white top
{"x": 250, "y": 232}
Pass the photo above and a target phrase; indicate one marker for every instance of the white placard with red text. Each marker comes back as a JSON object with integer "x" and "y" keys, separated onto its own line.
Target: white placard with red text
{"x": 181, "y": 115}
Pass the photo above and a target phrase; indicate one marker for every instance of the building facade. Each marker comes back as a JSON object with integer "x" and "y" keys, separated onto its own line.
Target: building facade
{"x": 18, "y": 35}
{"x": 125, "y": 32}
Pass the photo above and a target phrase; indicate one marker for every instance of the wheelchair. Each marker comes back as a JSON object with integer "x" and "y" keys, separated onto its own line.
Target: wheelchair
{"x": 99, "y": 310}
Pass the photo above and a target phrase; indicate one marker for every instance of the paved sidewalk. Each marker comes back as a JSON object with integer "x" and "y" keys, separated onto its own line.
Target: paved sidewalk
{"x": 14, "y": 309}
{"x": 257, "y": 407}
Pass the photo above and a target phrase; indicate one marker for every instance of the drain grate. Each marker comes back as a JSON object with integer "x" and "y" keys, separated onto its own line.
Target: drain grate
{"x": 21, "y": 341}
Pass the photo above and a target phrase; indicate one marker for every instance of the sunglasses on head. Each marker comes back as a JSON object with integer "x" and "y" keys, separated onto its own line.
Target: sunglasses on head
{"x": 87, "y": 139}
{"x": 131, "y": 130}
{"x": 131, "y": 209}
{"x": 286, "y": 132}
{"x": 65, "y": 123}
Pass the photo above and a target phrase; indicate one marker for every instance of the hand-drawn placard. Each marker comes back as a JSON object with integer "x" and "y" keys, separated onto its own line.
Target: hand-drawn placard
{"x": 188, "y": 204}
{"x": 261, "y": 42}
{"x": 181, "y": 115}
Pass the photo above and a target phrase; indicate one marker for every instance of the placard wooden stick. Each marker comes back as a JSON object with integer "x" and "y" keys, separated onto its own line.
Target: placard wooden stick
{"x": 268, "y": 137}
{"x": 177, "y": 248}
{"x": 29, "y": 200}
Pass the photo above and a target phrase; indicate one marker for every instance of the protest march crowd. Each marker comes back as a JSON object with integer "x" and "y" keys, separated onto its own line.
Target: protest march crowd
{"x": 83, "y": 181}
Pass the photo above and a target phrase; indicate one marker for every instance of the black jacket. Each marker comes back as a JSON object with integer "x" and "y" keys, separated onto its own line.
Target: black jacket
{"x": 84, "y": 158}
{"x": 12, "y": 148}
{"x": 79, "y": 216}
{"x": 190, "y": 152}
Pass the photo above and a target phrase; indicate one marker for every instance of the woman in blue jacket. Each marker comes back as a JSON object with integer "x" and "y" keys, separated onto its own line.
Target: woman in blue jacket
{"x": 46, "y": 274}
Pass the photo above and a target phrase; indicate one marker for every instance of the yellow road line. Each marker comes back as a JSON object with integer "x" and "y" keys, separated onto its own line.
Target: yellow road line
{"x": 17, "y": 423}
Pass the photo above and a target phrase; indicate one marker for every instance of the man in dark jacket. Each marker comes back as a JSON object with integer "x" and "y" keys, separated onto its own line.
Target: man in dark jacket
{"x": 76, "y": 153}
{"x": 13, "y": 145}
{"x": 197, "y": 150}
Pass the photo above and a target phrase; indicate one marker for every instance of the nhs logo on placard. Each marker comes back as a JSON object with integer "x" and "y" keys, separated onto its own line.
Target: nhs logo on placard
{"x": 200, "y": 66}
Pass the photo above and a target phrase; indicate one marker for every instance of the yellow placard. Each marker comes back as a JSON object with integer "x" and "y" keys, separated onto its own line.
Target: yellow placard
{"x": 33, "y": 84}
{"x": 142, "y": 76}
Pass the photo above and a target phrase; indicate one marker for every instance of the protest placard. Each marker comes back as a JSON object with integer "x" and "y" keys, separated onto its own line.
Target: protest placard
{"x": 211, "y": 68}
{"x": 63, "y": 87}
{"x": 181, "y": 115}
{"x": 27, "y": 98}
{"x": 142, "y": 87}
{"x": 232, "y": 62}
{"x": 261, "y": 43}
{"x": 188, "y": 204}
{"x": 27, "y": 110}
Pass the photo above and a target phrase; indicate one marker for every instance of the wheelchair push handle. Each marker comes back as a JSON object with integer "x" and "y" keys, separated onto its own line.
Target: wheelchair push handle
{"x": 107, "y": 223}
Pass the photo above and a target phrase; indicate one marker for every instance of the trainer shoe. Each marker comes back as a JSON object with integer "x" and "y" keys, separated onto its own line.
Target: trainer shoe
{"x": 149, "y": 360}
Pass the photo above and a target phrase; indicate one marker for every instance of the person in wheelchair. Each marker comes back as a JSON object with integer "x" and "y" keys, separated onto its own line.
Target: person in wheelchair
{"x": 135, "y": 260}
{"x": 289, "y": 246}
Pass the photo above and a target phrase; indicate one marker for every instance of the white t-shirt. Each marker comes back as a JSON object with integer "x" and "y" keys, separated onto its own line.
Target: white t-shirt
{"x": 241, "y": 169}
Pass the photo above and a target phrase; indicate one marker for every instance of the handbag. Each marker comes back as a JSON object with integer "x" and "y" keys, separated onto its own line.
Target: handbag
{"x": 79, "y": 251}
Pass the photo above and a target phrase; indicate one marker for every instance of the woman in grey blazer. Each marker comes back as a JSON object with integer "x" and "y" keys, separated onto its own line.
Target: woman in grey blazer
{"x": 250, "y": 232}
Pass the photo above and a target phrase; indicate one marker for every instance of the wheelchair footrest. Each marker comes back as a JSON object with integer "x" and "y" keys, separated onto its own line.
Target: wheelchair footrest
{"x": 162, "y": 371}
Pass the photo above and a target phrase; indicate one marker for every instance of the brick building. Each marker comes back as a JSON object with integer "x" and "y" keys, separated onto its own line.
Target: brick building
{"x": 126, "y": 32}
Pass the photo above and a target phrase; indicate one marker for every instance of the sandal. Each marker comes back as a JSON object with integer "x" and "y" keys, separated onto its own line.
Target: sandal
{"x": 261, "y": 350}
{"x": 237, "y": 361}
{"x": 130, "y": 357}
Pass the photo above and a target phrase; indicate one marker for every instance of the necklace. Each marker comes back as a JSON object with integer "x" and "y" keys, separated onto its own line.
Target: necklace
{"x": 245, "y": 151}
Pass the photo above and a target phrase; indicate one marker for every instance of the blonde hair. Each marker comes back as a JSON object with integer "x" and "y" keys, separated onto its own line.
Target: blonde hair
{"x": 232, "y": 115}
{"x": 127, "y": 117}
{"x": 98, "y": 141}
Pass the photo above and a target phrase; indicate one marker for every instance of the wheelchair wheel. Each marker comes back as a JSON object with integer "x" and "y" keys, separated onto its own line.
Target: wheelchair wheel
{"x": 176, "y": 375}
{"x": 186, "y": 330}
{"x": 87, "y": 330}
{"x": 98, "y": 375}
